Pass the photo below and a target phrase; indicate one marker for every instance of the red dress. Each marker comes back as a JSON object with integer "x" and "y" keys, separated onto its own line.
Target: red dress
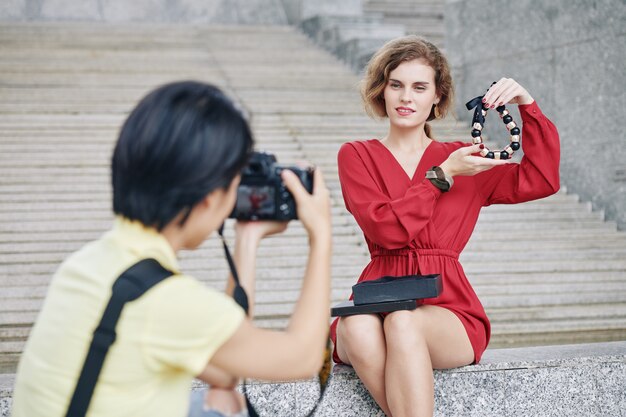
{"x": 411, "y": 227}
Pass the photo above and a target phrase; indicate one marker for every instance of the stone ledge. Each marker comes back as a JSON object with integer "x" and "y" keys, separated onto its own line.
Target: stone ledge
{"x": 568, "y": 380}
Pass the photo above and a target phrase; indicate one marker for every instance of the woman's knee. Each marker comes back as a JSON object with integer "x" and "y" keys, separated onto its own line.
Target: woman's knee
{"x": 404, "y": 328}
{"x": 357, "y": 332}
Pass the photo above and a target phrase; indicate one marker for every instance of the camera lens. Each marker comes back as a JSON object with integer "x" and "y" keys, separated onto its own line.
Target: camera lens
{"x": 254, "y": 168}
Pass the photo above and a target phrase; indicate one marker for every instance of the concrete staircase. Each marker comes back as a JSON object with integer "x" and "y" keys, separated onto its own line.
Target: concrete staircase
{"x": 355, "y": 38}
{"x": 557, "y": 275}
{"x": 420, "y": 17}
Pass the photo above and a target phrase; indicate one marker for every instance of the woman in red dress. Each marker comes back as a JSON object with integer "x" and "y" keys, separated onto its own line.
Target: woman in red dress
{"x": 413, "y": 225}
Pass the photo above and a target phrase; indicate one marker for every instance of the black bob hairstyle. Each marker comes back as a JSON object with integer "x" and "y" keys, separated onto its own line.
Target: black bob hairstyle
{"x": 182, "y": 141}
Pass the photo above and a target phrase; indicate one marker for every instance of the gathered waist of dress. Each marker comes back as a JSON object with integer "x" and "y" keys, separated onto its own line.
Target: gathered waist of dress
{"x": 414, "y": 252}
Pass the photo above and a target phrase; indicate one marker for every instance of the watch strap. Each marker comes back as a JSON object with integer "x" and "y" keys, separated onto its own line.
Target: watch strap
{"x": 439, "y": 178}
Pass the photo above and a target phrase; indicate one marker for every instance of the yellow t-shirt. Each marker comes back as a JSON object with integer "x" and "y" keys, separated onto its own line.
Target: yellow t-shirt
{"x": 164, "y": 338}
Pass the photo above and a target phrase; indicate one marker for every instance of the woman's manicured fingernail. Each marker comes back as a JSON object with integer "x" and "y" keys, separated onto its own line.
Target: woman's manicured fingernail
{"x": 482, "y": 146}
{"x": 484, "y": 100}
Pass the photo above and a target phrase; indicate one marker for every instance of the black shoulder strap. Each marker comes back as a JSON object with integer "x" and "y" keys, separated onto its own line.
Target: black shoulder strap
{"x": 133, "y": 282}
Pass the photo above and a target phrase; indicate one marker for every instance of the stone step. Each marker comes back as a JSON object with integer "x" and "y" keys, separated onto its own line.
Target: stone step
{"x": 344, "y": 281}
{"x": 584, "y": 380}
{"x": 563, "y": 312}
{"x": 30, "y": 298}
{"x": 294, "y": 268}
{"x": 554, "y": 236}
{"x": 541, "y": 215}
{"x": 415, "y": 9}
{"x": 530, "y": 248}
{"x": 101, "y": 174}
{"x": 300, "y": 253}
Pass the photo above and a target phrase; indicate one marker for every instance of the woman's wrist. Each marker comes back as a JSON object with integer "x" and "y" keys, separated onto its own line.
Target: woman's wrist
{"x": 446, "y": 169}
{"x": 525, "y": 100}
{"x": 320, "y": 238}
{"x": 248, "y": 236}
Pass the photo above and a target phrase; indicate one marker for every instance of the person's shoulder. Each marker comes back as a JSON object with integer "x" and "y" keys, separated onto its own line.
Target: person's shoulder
{"x": 183, "y": 284}
{"x": 360, "y": 144}
{"x": 185, "y": 290}
{"x": 96, "y": 262}
{"x": 358, "y": 147}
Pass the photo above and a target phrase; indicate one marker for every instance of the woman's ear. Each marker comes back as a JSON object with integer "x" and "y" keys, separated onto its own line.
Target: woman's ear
{"x": 207, "y": 201}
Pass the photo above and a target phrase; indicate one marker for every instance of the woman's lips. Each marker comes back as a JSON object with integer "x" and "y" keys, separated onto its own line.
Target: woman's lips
{"x": 404, "y": 111}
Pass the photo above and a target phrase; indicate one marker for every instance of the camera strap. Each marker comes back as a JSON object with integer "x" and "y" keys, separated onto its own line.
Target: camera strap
{"x": 133, "y": 283}
{"x": 241, "y": 298}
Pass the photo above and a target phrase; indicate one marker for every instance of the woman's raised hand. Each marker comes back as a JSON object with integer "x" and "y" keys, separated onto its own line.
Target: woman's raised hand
{"x": 462, "y": 162}
{"x": 313, "y": 209}
{"x": 506, "y": 90}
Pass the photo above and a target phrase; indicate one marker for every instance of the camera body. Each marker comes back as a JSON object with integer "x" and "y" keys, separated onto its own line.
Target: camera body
{"x": 261, "y": 194}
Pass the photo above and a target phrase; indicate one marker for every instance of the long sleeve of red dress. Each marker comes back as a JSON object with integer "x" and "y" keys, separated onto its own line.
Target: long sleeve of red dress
{"x": 537, "y": 175}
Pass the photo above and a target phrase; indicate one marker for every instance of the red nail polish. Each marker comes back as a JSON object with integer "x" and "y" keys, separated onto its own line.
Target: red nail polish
{"x": 484, "y": 100}
{"x": 482, "y": 146}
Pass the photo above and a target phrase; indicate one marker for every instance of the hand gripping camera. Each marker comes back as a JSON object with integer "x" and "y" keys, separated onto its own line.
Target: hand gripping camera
{"x": 261, "y": 194}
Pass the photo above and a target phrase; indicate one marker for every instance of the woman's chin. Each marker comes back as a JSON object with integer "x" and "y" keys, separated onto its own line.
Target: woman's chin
{"x": 402, "y": 123}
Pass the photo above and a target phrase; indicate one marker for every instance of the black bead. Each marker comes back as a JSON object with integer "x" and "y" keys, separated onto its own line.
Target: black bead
{"x": 515, "y": 146}
{"x": 490, "y": 155}
{"x": 475, "y": 133}
{"x": 507, "y": 119}
{"x": 515, "y": 131}
{"x": 500, "y": 109}
{"x": 504, "y": 155}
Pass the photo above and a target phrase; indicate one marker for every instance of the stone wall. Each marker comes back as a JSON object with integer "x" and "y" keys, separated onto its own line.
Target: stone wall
{"x": 570, "y": 55}
{"x": 192, "y": 11}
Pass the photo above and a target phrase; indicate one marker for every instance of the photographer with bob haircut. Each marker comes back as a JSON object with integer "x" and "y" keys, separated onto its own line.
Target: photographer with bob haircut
{"x": 175, "y": 172}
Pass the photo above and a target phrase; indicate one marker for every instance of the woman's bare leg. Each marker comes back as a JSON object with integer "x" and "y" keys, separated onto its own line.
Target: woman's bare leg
{"x": 361, "y": 343}
{"x": 417, "y": 342}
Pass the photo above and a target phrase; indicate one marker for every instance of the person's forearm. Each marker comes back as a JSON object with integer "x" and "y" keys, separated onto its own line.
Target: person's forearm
{"x": 309, "y": 321}
{"x": 216, "y": 377}
{"x": 245, "y": 262}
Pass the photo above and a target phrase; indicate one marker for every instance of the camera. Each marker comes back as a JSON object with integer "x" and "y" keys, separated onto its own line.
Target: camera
{"x": 261, "y": 194}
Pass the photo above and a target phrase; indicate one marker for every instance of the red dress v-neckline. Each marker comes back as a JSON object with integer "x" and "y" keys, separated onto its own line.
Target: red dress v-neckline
{"x": 397, "y": 163}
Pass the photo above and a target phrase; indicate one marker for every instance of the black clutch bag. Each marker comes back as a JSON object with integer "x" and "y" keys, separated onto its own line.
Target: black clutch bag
{"x": 386, "y": 289}
{"x": 389, "y": 294}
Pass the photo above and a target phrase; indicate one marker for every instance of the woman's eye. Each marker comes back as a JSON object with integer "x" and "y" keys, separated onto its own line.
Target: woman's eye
{"x": 420, "y": 88}
{"x": 395, "y": 85}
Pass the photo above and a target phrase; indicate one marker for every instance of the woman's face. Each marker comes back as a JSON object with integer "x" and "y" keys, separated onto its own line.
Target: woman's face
{"x": 206, "y": 217}
{"x": 410, "y": 93}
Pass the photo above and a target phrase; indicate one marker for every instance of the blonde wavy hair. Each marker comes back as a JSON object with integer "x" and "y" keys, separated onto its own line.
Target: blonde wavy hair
{"x": 388, "y": 58}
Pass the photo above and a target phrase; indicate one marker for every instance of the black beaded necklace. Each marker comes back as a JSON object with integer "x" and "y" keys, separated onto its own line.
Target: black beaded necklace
{"x": 478, "y": 122}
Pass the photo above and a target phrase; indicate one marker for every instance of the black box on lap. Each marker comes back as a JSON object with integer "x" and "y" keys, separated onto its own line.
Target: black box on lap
{"x": 389, "y": 288}
{"x": 347, "y": 308}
